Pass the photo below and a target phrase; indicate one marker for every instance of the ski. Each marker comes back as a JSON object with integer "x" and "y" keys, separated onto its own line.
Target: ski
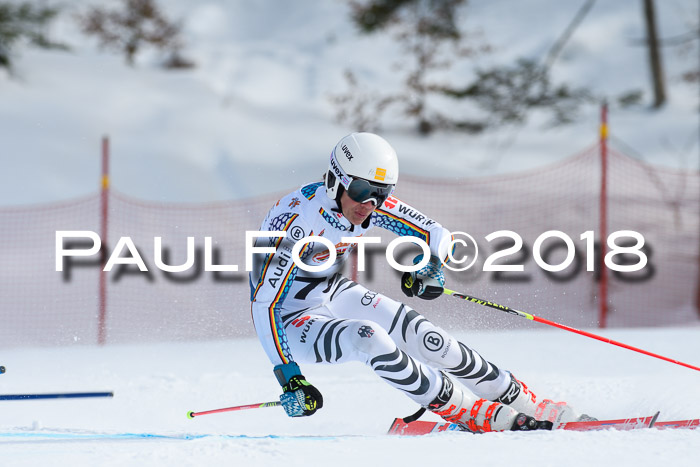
{"x": 421, "y": 427}
{"x": 621, "y": 424}
{"x": 693, "y": 424}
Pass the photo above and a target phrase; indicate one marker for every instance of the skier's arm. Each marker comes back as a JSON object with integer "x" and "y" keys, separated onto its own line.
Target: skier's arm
{"x": 402, "y": 219}
{"x": 275, "y": 275}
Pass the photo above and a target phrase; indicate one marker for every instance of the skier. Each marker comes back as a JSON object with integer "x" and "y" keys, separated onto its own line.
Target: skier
{"x": 303, "y": 316}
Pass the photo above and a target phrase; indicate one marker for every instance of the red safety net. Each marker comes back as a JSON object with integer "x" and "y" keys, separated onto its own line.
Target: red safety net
{"x": 40, "y": 306}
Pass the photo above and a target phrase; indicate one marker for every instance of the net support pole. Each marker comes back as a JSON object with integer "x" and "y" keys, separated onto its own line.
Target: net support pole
{"x": 603, "y": 211}
{"x": 104, "y": 223}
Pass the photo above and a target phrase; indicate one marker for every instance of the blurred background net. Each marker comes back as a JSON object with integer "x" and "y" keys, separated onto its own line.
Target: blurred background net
{"x": 40, "y": 306}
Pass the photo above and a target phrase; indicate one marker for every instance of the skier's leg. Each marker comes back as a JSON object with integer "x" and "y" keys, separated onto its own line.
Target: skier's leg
{"x": 314, "y": 338}
{"x": 421, "y": 339}
{"x": 435, "y": 347}
{"x": 321, "y": 339}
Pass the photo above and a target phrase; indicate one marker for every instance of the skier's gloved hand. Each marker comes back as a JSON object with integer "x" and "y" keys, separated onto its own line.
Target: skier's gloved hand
{"x": 426, "y": 283}
{"x": 300, "y": 397}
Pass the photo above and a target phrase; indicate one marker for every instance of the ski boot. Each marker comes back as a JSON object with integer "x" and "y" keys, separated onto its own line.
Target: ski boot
{"x": 520, "y": 398}
{"x": 480, "y": 415}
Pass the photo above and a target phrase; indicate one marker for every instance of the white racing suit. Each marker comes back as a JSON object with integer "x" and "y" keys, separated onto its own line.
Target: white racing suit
{"x": 324, "y": 317}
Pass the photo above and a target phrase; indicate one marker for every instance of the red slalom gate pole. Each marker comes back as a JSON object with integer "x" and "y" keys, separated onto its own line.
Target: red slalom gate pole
{"x": 259, "y": 405}
{"x": 522, "y": 314}
{"x": 603, "y": 212}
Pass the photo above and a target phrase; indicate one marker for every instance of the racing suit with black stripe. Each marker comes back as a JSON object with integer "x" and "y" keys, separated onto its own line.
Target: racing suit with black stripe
{"x": 324, "y": 317}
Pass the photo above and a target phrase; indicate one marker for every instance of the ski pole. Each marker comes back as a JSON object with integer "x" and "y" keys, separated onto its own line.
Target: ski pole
{"x": 259, "y": 405}
{"x": 522, "y": 314}
{"x": 64, "y": 395}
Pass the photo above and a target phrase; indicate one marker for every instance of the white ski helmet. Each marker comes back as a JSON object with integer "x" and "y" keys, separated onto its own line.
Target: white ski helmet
{"x": 365, "y": 166}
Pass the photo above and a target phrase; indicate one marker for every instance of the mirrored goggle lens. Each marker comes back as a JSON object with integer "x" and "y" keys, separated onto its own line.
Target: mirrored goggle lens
{"x": 362, "y": 191}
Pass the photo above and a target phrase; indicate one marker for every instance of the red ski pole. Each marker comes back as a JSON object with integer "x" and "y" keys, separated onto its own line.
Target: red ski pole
{"x": 522, "y": 314}
{"x": 259, "y": 405}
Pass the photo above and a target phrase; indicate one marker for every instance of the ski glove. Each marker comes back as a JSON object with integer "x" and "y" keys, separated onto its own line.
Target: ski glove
{"x": 427, "y": 283}
{"x": 300, "y": 398}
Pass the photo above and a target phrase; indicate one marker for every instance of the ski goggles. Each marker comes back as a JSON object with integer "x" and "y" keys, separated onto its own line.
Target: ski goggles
{"x": 361, "y": 191}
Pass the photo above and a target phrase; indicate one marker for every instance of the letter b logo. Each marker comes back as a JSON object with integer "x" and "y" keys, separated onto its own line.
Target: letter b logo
{"x": 433, "y": 341}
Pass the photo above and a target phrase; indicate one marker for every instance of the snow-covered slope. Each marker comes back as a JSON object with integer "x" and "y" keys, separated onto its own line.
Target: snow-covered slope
{"x": 156, "y": 385}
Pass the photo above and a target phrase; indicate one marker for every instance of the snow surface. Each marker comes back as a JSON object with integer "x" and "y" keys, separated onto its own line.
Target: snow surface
{"x": 156, "y": 385}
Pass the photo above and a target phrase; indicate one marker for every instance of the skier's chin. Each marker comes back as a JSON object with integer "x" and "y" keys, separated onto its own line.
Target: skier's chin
{"x": 359, "y": 218}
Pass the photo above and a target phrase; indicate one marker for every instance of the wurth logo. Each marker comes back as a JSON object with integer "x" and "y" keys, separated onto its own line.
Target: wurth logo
{"x": 299, "y": 322}
{"x": 391, "y": 202}
{"x": 418, "y": 217}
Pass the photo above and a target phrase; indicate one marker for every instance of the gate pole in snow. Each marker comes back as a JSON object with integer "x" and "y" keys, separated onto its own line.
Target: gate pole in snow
{"x": 104, "y": 209}
{"x": 603, "y": 285}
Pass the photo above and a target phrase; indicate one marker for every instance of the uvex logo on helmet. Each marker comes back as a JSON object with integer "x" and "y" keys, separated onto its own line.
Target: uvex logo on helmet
{"x": 338, "y": 171}
{"x": 347, "y": 152}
